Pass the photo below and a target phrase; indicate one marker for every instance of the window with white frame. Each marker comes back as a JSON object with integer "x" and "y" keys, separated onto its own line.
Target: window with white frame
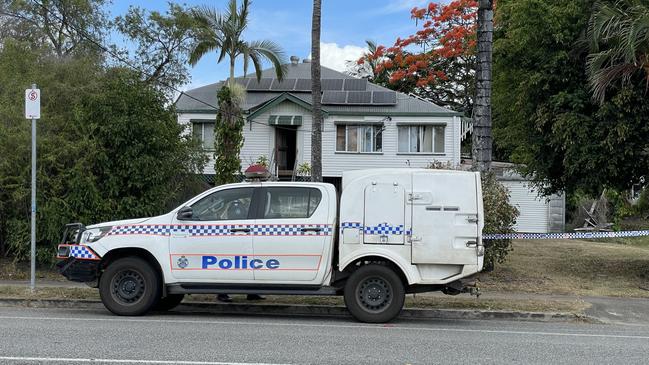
{"x": 421, "y": 138}
{"x": 204, "y": 132}
{"x": 359, "y": 138}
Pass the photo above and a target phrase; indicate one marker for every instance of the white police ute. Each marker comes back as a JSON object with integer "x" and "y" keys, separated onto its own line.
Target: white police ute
{"x": 392, "y": 232}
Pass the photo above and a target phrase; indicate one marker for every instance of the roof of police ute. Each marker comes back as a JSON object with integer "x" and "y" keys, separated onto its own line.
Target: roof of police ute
{"x": 349, "y": 176}
{"x": 256, "y": 182}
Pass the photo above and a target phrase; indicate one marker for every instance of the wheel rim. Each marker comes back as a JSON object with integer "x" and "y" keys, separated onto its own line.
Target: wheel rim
{"x": 128, "y": 287}
{"x": 374, "y": 294}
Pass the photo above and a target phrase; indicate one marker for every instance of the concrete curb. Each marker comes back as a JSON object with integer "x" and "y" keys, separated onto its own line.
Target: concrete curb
{"x": 313, "y": 310}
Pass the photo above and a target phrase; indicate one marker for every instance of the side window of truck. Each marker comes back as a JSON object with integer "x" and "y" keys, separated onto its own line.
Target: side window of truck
{"x": 290, "y": 202}
{"x": 230, "y": 204}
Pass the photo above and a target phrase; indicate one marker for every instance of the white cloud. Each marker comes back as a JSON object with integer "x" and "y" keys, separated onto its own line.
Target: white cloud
{"x": 335, "y": 57}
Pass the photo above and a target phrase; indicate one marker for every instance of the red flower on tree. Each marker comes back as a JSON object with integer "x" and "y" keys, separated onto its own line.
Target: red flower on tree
{"x": 447, "y": 32}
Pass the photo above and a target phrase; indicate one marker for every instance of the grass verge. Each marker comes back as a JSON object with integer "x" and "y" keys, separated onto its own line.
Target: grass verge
{"x": 423, "y": 302}
{"x": 618, "y": 268}
{"x": 10, "y": 270}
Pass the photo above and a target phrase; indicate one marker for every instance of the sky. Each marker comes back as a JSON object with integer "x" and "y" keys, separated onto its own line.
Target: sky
{"x": 346, "y": 24}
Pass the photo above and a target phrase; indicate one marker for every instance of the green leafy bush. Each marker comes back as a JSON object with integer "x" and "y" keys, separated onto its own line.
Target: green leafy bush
{"x": 228, "y": 137}
{"x": 500, "y": 217}
{"x": 109, "y": 148}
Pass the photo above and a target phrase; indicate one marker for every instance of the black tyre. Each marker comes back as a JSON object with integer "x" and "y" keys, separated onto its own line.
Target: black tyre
{"x": 374, "y": 294}
{"x": 129, "y": 287}
{"x": 169, "y": 302}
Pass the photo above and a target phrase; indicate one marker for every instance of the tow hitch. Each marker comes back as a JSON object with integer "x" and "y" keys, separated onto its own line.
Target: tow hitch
{"x": 470, "y": 285}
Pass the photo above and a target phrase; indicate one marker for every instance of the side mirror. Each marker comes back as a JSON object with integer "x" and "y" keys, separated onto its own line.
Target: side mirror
{"x": 185, "y": 213}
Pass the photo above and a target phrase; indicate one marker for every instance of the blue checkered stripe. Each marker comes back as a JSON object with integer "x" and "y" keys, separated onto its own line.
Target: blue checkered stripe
{"x": 154, "y": 229}
{"x": 206, "y": 230}
{"x": 385, "y": 228}
{"x": 357, "y": 225}
{"x": 565, "y": 236}
{"x": 382, "y": 229}
{"x": 81, "y": 252}
{"x": 224, "y": 230}
{"x": 291, "y": 230}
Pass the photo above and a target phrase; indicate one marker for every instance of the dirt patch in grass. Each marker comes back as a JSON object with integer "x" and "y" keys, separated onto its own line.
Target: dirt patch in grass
{"x": 10, "y": 270}
{"x": 587, "y": 268}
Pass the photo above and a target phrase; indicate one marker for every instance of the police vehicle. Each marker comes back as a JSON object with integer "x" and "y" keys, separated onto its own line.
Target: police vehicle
{"x": 391, "y": 232}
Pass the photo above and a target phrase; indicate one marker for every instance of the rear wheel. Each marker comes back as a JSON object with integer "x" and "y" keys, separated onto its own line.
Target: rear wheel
{"x": 374, "y": 294}
{"x": 129, "y": 287}
{"x": 169, "y": 302}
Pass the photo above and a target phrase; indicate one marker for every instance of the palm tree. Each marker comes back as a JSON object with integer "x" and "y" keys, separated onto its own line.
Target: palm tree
{"x": 619, "y": 44}
{"x": 316, "y": 92}
{"x": 223, "y": 32}
{"x": 482, "y": 139}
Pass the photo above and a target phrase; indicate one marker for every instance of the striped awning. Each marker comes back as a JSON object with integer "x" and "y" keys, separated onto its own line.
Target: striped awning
{"x": 285, "y": 120}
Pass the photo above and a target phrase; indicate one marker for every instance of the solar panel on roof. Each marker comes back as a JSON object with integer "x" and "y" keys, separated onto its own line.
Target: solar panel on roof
{"x": 262, "y": 85}
{"x": 284, "y": 85}
{"x": 334, "y": 97}
{"x": 359, "y": 97}
{"x": 355, "y": 84}
{"x": 384, "y": 97}
{"x": 332, "y": 84}
{"x": 303, "y": 85}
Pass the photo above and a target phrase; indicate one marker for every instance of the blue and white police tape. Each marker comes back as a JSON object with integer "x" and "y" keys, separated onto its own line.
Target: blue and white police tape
{"x": 565, "y": 236}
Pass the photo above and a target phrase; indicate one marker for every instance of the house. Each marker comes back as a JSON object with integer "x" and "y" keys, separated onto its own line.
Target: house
{"x": 365, "y": 125}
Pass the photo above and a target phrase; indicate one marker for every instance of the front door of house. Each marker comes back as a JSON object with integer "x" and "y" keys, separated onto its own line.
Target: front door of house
{"x": 286, "y": 149}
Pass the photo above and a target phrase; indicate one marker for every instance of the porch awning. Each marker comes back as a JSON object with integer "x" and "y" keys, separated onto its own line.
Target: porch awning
{"x": 285, "y": 120}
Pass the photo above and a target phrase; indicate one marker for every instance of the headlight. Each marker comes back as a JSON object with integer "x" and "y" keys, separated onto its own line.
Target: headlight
{"x": 95, "y": 234}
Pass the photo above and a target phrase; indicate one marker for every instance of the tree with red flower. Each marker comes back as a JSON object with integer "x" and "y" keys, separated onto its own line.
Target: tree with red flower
{"x": 438, "y": 61}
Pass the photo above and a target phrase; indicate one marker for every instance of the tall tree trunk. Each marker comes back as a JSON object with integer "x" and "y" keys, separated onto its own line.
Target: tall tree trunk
{"x": 232, "y": 63}
{"x": 316, "y": 94}
{"x": 481, "y": 148}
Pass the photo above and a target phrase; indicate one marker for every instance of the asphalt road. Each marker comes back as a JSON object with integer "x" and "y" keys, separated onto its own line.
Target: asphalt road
{"x": 67, "y": 336}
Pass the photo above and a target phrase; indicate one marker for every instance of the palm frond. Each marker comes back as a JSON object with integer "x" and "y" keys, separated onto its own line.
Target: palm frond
{"x": 619, "y": 37}
{"x": 371, "y": 45}
{"x": 605, "y": 77}
{"x": 272, "y": 52}
{"x": 209, "y": 34}
{"x": 201, "y": 49}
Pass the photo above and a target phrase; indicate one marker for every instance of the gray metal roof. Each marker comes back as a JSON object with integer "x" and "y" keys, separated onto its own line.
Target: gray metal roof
{"x": 203, "y": 99}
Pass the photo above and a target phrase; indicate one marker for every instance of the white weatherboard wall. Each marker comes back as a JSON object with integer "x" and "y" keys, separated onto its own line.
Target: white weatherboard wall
{"x": 537, "y": 214}
{"x": 259, "y": 140}
{"x": 334, "y": 163}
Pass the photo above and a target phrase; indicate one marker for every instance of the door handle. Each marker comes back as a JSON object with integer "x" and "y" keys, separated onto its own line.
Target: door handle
{"x": 472, "y": 219}
{"x": 234, "y": 230}
{"x": 311, "y": 229}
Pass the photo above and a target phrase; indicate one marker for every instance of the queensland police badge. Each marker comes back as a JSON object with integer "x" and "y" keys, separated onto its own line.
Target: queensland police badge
{"x": 183, "y": 262}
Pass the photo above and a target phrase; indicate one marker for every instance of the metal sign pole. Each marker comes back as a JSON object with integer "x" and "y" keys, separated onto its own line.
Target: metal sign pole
{"x": 32, "y": 284}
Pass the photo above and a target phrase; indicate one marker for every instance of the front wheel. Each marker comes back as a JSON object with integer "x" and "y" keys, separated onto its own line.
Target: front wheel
{"x": 374, "y": 294}
{"x": 129, "y": 287}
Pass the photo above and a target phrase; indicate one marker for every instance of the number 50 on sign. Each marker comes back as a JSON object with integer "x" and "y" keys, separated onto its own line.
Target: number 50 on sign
{"x": 33, "y": 104}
